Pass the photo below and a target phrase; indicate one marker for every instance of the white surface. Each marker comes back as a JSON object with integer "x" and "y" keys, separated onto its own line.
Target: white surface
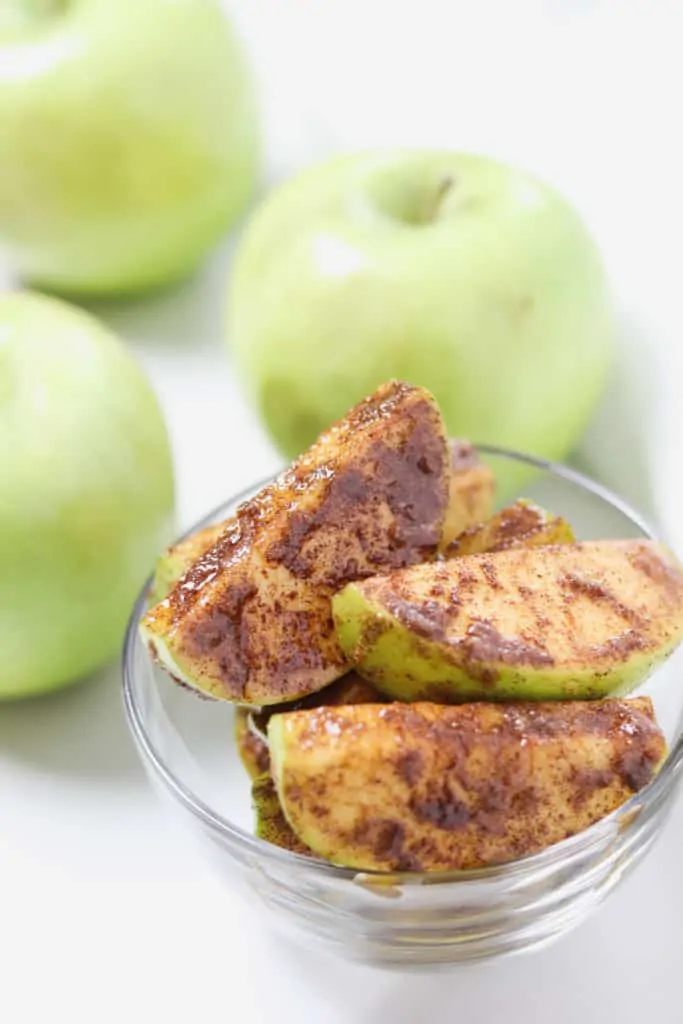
{"x": 106, "y": 912}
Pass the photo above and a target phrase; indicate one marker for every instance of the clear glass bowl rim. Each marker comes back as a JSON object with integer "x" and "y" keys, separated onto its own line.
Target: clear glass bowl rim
{"x": 659, "y": 790}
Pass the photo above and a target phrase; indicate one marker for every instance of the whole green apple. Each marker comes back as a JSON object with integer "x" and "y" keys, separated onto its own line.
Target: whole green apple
{"x": 448, "y": 270}
{"x": 86, "y": 493}
{"x": 128, "y": 141}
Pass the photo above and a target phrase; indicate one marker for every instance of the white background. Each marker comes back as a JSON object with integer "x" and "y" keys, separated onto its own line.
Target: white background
{"x": 106, "y": 912}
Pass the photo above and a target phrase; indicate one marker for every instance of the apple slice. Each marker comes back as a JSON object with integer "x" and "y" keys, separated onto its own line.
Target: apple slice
{"x": 570, "y": 621}
{"x": 523, "y": 524}
{"x": 271, "y": 823}
{"x": 252, "y": 748}
{"x": 423, "y": 787}
{"x": 178, "y": 558}
{"x": 472, "y": 490}
{"x": 251, "y": 621}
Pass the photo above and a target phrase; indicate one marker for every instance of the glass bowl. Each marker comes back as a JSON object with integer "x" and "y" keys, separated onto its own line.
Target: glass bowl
{"x": 409, "y": 919}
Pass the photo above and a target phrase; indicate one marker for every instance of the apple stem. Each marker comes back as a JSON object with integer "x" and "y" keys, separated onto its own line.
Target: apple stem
{"x": 436, "y": 201}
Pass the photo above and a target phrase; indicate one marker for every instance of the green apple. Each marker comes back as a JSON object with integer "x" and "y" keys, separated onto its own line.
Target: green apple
{"x": 449, "y": 270}
{"x": 86, "y": 494}
{"x": 129, "y": 139}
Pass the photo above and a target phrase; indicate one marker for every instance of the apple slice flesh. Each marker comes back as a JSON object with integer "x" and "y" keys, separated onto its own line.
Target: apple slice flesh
{"x": 522, "y": 524}
{"x": 252, "y": 748}
{"x": 271, "y": 823}
{"x": 180, "y": 557}
{"x": 572, "y": 621}
{"x": 251, "y": 620}
{"x": 471, "y": 493}
{"x": 425, "y": 787}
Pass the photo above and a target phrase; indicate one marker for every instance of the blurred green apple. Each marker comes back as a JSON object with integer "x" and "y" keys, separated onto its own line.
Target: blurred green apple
{"x": 86, "y": 492}
{"x": 448, "y": 270}
{"x": 128, "y": 139}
